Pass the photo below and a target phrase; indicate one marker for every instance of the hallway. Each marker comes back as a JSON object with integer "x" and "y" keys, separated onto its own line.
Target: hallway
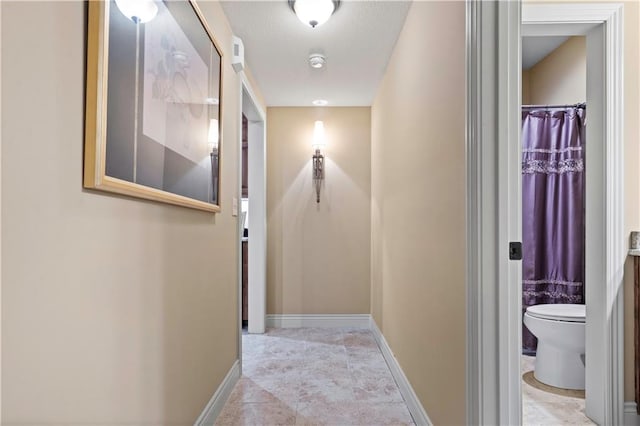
{"x": 314, "y": 376}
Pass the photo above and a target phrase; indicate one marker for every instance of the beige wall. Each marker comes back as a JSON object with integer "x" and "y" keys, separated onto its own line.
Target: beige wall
{"x": 561, "y": 77}
{"x": 114, "y": 310}
{"x": 632, "y": 172}
{"x": 526, "y": 87}
{"x": 418, "y": 206}
{"x": 318, "y": 254}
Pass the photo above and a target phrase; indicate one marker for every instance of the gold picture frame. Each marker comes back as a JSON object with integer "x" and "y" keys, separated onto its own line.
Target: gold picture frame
{"x": 154, "y": 105}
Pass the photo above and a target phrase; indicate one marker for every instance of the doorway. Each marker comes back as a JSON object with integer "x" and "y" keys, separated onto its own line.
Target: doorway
{"x": 494, "y": 190}
{"x": 554, "y": 114}
{"x": 252, "y": 223}
{"x": 603, "y": 182}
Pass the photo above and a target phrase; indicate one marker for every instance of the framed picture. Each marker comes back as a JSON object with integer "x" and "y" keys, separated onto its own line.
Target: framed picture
{"x": 153, "y": 104}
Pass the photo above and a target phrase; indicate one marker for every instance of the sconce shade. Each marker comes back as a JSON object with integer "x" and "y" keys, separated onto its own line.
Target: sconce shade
{"x": 319, "y": 140}
{"x": 214, "y": 136}
{"x": 139, "y": 11}
{"x": 313, "y": 12}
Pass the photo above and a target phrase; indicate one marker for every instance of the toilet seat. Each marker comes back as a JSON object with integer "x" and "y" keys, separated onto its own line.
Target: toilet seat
{"x": 559, "y": 312}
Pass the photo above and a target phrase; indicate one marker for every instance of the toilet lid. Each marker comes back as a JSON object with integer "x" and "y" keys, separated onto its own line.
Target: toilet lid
{"x": 558, "y": 312}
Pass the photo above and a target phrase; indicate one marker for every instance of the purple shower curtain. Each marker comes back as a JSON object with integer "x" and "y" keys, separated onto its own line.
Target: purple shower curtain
{"x": 552, "y": 209}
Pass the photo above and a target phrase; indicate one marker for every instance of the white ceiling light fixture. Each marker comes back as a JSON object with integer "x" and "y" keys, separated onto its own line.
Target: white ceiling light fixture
{"x": 314, "y": 12}
{"x": 139, "y": 11}
{"x": 317, "y": 60}
{"x": 320, "y": 102}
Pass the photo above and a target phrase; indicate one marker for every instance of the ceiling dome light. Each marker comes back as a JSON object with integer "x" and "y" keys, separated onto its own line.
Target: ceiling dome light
{"x": 317, "y": 60}
{"x": 320, "y": 102}
{"x": 139, "y": 11}
{"x": 314, "y": 12}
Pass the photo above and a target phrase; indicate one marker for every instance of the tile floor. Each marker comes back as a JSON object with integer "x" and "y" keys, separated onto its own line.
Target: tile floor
{"x": 544, "y": 408}
{"x": 314, "y": 376}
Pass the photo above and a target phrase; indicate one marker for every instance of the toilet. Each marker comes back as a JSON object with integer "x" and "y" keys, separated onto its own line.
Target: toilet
{"x": 560, "y": 329}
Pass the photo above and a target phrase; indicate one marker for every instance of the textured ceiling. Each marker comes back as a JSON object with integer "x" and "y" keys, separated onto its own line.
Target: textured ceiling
{"x": 357, "y": 42}
{"x": 535, "y": 49}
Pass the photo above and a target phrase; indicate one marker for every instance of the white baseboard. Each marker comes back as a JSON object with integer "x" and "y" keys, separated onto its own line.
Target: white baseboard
{"x": 321, "y": 321}
{"x": 416, "y": 409}
{"x": 631, "y": 417}
{"x": 217, "y": 401}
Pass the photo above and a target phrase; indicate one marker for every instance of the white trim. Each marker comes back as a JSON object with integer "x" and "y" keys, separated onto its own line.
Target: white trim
{"x": 613, "y": 313}
{"x": 509, "y": 215}
{"x": 318, "y": 320}
{"x": 482, "y": 353}
{"x": 257, "y": 262}
{"x": 573, "y": 13}
{"x": 217, "y": 401}
{"x": 416, "y": 409}
{"x": 247, "y": 86}
{"x": 239, "y": 229}
{"x": 631, "y": 417}
{"x": 257, "y": 176}
{"x": 473, "y": 214}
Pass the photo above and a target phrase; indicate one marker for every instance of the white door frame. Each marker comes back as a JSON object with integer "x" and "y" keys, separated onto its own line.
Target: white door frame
{"x": 257, "y": 181}
{"x": 493, "y": 194}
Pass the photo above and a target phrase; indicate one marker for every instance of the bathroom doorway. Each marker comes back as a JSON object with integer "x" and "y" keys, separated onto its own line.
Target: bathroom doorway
{"x": 494, "y": 199}
{"x": 603, "y": 187}
{"x": 554, "y": 111}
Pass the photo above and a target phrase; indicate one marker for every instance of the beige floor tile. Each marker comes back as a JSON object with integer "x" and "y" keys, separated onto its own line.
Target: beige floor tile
{"x": 265, "y": 391}
{"x": 324, "y": 335}
{"x": 278, "y": 348}
{"x": 385, "y": 414}
{"x": 274, "y": 368}
{"x": 360, "y": 340}
{"x": 376, "y": 389}
{"x": 545, "y": 408}
{"x": 326, "y": 390}
{"x": 362, "y": 371}
{"x": 314, "y": 376}
{"x": 257, "y": 414}
{"x": 325, "y": 351}
{"x": 334, "y": 369}
{"x": 333, "y": 414}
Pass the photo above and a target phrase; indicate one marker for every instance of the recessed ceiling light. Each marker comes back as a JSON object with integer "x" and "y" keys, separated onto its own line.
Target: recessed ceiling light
{"x": 317, "y": 60}
{"x": 320, "y": 102}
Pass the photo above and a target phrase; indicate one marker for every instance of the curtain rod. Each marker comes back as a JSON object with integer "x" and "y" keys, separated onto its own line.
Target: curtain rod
{"x": 582, "y": 105}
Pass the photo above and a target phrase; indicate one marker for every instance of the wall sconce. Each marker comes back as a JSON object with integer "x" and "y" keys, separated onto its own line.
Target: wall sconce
{"x": 214, "y": 139}
{"x": 319, "y": 142}
{"x": 139, "y": 11}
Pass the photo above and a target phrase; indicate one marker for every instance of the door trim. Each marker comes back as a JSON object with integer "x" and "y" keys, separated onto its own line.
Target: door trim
{"x": 257, "y": 176}
{"x": 492, "y": 397}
